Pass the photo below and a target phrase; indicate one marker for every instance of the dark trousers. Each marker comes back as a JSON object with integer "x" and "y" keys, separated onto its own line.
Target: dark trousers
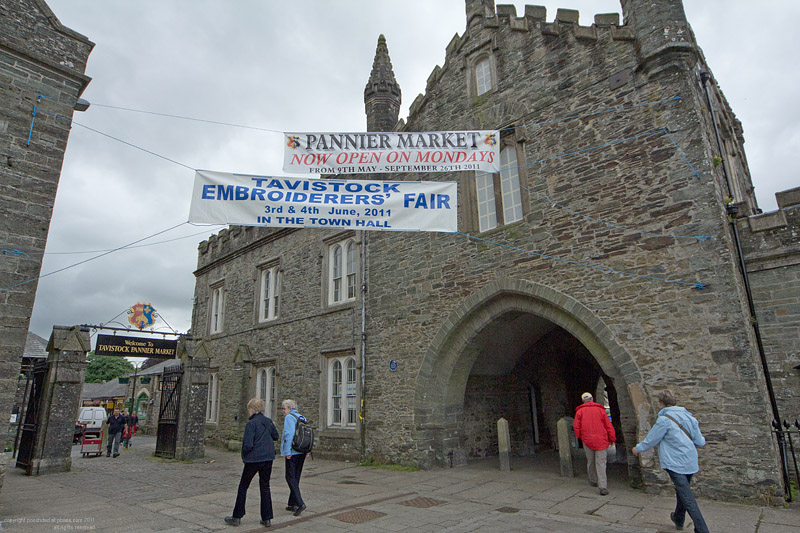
{"x": 114, "y": 438}
{"x": 294, "y": 467}
{"x": 264, "y": 470}
{"x": 686, "y": 502}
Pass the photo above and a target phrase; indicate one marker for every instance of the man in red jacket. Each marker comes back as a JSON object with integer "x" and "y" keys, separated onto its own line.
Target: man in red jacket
{"x": 594, "y": 428}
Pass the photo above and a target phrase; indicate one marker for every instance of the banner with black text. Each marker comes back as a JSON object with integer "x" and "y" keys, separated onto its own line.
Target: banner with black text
{"x": 383, "y": 152}
{"x": 225, "y": 198}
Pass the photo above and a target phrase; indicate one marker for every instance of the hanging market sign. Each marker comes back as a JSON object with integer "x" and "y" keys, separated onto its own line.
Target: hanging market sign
{"x": 381, "y": 152}
{"x": 223, "y": 198}
{"x": 135, "y": 347}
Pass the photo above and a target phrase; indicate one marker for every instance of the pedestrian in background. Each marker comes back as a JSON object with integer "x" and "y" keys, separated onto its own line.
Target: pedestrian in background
{"x": 258, "y": 453}
{"x": 116, "y": 425}
{"x": 594, "y": 428}
{"x": 677, "y": 434}
{"x": 294, "y": 459}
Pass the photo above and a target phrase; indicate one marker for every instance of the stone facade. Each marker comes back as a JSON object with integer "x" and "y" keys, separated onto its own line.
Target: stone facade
{"x": 771, "y": 244}
{"x": 450, "y": 332}
{"x": 42, "y": 67}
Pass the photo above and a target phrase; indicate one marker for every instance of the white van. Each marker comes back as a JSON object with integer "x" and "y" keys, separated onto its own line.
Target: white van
{"x": 92, "y": 417}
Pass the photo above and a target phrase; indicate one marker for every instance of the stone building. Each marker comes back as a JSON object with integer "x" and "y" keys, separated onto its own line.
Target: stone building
{"x": 42, "y": 66}
{"x": 42, "y": 69}
{"x": 602, "y": 256}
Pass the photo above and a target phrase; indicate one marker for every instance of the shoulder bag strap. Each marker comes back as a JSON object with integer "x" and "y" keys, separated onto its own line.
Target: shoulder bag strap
{"x": 680, "y": 426}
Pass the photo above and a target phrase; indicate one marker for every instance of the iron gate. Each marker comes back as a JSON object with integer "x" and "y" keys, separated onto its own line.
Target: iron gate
{"x": 167, "y": 435}
{"x": 30, "y": 425}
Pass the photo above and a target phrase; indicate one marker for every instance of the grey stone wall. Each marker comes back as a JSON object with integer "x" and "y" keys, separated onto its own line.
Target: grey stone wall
{"x": 295, "y": 343}
{"x": 38, "y": 56}
{"x": 771, "y": 244}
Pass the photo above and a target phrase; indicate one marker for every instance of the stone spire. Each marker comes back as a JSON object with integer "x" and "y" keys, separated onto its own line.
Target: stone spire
{"x": 382, "y": 94}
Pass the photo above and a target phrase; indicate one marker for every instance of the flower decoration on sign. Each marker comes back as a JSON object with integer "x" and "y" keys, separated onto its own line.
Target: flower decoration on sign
{"x": 491, "y": 140}
{"x": 141, "y": 315}
{"x": 293, "y": 142}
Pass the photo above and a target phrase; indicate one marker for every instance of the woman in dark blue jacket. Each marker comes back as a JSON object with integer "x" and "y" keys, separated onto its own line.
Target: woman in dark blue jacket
{"x": 258, "y": 452}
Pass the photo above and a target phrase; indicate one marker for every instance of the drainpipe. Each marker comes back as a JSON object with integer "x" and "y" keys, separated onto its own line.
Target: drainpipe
{"x": 731, "y": 210}
{"x": 363, "y": 343}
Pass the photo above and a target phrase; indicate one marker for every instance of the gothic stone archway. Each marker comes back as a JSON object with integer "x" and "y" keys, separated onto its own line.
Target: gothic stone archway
{"x": 453, "y": 352}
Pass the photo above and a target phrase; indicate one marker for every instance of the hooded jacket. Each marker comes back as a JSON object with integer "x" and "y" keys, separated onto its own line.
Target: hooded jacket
{"x": 676, "y": 451}
{"x": 593, "y": 426}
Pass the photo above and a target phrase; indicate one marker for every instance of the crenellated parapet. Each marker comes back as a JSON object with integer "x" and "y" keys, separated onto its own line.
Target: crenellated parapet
{"x": 772, "y": 240}
{"x": 487, "y": 23}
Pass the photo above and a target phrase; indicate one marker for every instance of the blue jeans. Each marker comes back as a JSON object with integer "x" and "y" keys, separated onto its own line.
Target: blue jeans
{"x": 264, "y": 470}
{"x": 686, "y": 502}
{"x": 114, "y": 438}
{"x": 294, "y": 467}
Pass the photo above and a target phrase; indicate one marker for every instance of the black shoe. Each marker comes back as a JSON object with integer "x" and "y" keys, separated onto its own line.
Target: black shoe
{"x": 108, "y": 454}
{"x": 678, "y": 526}
{"x": 231, "y": 521}
{"x": 116, "y": 455}
{"x": 265, "y": 523}
{"x": 300, "y": 510}
{"x": 291, "y": 508}
{"x": 603, "y": 492}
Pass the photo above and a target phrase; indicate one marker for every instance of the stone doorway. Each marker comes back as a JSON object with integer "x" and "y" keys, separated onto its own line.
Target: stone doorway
{"x": 524, "y": 352}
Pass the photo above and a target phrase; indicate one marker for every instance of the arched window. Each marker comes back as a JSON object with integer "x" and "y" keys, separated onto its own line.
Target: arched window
{"x": 265, "y": 389}
{"x": 342, "y": 392}
{"x": 212, "y": 405}
{"x": 217, "y": 310}
{"x": 269, "y": 290}
{"x": 342, "y": 271}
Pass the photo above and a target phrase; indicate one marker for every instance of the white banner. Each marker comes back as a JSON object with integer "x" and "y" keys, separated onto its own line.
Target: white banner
{"x": 381, "y": 152}
{"x": 224, "y": 198}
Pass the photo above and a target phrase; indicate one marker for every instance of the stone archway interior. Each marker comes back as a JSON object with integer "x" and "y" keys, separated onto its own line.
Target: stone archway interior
{"x": 531, "y": 372}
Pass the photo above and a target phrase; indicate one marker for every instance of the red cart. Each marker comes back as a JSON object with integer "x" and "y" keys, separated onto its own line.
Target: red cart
{"x": 92, "y": 441}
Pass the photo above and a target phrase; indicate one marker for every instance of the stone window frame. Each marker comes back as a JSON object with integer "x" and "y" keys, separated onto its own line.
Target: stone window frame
{"x": 267, "y": 373}
{"x": 509, "y": 138}
{"x": 273, "y": 310}
{"x": 342, "y": 357}
{"x": 350, "y": 278}
{"x": 212, "y": 400}
{"x": 477, "y": 58}
{"x": 216, "y": 308}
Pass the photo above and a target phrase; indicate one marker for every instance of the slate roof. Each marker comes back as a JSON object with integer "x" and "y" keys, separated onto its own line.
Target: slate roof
{"x": 99, "y": 391}
{"x": 35, "y": 346}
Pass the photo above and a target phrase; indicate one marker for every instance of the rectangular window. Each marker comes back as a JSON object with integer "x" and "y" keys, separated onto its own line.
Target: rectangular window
{"x": 509, "y": 202}
{"x": 265, "y": 389}
{"x": 342, "y": 271}
{"x": 509, "y": 185}
{"x": 269, "y": 292}
{"x": 217, "y": 310}
{"x": 483, "y": 76}
{"x": 342, "y": 392}
{"x": 487, "y": 213}
{"x": 212, "y": 405}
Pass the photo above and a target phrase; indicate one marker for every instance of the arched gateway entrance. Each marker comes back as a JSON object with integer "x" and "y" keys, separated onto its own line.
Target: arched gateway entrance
{"x": 525, "y": 352}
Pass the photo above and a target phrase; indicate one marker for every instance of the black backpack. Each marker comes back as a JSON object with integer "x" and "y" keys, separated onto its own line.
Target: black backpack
{"x": 303, "y": 439}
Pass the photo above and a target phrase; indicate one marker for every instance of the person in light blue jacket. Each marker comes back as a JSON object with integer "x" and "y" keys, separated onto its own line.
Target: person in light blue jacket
{"x": 294, "y": 459}
{"x": 677, "y": 434}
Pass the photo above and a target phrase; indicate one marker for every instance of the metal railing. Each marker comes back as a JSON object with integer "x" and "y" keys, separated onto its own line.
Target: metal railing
{"x": 784, "y": 434}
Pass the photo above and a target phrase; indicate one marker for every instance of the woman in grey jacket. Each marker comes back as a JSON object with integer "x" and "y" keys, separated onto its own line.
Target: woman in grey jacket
{"x": 258, "y": 452}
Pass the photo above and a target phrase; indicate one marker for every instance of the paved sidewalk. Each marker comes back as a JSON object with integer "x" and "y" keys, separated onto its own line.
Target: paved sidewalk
{"x": 137, "y": 493}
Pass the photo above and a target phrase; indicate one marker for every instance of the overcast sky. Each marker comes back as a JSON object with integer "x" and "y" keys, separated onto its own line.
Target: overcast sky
{"x": 298, "y": 66}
